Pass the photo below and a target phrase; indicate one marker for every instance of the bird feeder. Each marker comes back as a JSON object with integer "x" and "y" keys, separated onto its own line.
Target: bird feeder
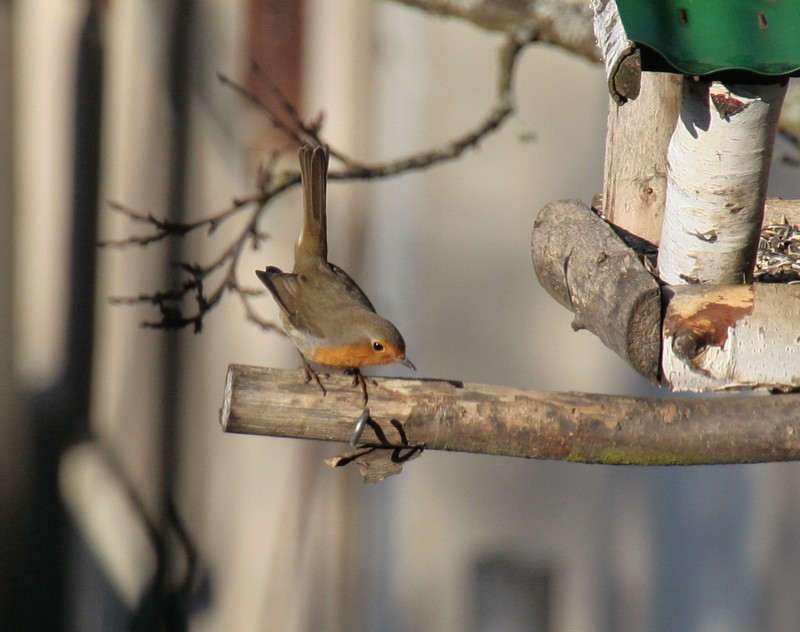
{"x": 661, "y": 270}
{"x": 752, "y": 38}
{"x": 696, "y": 90}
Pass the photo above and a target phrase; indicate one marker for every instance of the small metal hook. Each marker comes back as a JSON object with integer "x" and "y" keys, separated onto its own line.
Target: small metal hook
{"x": 359, "y": 427}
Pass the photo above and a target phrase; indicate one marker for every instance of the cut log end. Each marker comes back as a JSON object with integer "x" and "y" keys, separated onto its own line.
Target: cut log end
{"x": 582, "y": 262}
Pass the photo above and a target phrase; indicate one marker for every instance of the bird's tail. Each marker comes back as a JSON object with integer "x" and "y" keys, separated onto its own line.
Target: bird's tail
{"x": 313, "y": 242}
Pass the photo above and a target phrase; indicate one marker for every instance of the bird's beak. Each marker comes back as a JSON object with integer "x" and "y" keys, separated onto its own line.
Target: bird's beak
{"x": 408, "y": 363}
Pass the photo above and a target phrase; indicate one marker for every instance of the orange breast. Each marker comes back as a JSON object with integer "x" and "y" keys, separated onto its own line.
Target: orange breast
{"x": 348, "y": 356}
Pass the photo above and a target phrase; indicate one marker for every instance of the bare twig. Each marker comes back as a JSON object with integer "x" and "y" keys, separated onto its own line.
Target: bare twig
{"x": 270, "y": 184}
{"x": 295, "y": 127}
{"x": 563, "y": 23}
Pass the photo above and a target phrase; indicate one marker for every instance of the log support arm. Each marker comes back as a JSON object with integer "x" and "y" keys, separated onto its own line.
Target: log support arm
{"x": 687, "y": 337}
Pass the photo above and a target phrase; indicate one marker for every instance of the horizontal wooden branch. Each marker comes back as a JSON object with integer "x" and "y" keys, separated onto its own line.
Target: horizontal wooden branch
{"x": 447, "y": 415}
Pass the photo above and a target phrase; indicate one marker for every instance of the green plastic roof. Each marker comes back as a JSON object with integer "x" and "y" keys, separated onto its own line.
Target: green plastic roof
{"x": 698, "y": 37}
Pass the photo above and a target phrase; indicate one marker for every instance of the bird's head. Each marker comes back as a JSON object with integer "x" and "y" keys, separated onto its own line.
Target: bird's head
{"x": 370, "y": 340}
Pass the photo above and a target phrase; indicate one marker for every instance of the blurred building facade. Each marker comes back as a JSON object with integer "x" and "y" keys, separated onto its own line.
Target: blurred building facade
{"x": 270, "y": 537}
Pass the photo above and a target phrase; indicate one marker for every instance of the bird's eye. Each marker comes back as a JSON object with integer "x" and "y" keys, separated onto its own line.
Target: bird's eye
{"x": 377, "y": 346}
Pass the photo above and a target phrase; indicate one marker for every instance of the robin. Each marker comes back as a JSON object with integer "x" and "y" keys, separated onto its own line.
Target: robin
{"x": 327, "y": 316}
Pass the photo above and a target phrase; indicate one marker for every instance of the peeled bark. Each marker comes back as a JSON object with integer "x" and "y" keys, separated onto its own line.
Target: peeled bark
{"x": 635, "y": 180}
{"x": 732, "y": 337}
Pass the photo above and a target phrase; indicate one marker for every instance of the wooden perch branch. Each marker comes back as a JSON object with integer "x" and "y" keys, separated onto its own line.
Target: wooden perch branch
{"x": 586, "y": 428}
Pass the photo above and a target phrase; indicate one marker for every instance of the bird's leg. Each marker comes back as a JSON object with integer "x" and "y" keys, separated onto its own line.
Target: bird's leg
{"x": 358, "y": 378}
{"x": 311, "y": 372}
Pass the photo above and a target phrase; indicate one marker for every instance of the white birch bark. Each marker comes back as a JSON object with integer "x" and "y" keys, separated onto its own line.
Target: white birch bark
{"x": 718, "y": 160}
{"x": 612, "y": 40}
{"x": 732, "y": 337}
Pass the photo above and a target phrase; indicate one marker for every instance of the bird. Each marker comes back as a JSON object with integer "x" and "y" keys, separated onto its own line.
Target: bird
{"x": 324, "y": 312}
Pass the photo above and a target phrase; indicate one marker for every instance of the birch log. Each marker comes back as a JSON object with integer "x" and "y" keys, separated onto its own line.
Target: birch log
{"x": 719, "y": 159}
{"x": 620, "y": 55}
{"x": 732, "y": 337}
{"x": 714, "y": 337}
{"x": 587, "y": 267}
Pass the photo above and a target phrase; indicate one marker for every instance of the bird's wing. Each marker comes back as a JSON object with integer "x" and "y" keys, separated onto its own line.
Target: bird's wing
{"x": 282, "y": 286}
{"x": 350, "y": 287}
{"x": 286, "y": 288}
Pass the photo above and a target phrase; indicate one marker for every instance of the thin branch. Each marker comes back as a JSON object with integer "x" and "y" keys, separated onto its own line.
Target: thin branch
{"x": 164, "y": 228}
{"x": 563, "y": 23}
{"x": 245, "y": 294}
{"x": 296, "y": 128}
{"x": 497, "y": 115}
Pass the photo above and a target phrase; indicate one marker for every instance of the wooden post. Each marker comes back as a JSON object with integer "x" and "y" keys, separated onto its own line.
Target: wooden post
{"x": 635, "y": 179}
{"x": 588, "y": 268}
